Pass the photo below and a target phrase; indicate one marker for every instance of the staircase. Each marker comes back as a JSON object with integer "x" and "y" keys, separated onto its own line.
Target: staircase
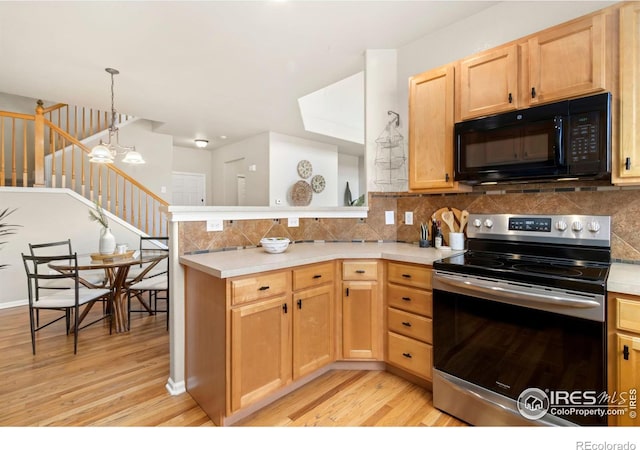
{"x": 46, "y": 149}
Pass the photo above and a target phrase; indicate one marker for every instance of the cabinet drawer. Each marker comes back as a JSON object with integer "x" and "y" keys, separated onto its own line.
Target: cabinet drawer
{"x": 247, "y": 289}
{"x": 410, "y": 325}
{"x": 314, "y": 275}
{"x": 411, "y": 355}
{"x": 416, "y": 276}
{"x": 410, "y": 299}
{"x": 628, "y": 315}
{"x": 360, "y": 270}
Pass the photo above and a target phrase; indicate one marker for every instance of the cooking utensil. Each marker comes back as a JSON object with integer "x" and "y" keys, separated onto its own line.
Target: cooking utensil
{"x": 447, "y": 217}
{"x": 464, "y": 218}
{"x": 445, "y": 228}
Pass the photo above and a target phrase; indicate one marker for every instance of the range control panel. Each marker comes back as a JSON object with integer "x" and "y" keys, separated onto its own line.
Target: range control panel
{"x": 569, "y": 229}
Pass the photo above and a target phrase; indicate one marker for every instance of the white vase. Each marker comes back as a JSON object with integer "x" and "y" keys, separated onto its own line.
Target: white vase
{"x": 107, "y": 242}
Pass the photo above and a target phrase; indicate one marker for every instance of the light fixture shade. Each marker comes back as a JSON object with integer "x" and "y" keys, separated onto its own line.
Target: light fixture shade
{"x": 133, "y": 157}
{"x": 201, "y": 143}
{"x": 101, "y": 154}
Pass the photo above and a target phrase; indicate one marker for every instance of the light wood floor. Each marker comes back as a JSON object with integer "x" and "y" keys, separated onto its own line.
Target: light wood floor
{"x": 119, "y": 380}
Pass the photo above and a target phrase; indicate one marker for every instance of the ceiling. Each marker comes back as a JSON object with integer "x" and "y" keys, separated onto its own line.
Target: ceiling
{"x": 203, "y": 69}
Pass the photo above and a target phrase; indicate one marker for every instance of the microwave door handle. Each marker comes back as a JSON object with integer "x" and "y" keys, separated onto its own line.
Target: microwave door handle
{"x": 559, "y": 125}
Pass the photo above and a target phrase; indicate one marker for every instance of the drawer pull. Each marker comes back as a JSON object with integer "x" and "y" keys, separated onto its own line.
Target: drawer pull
{"x": 317, "y": 276}
{"x": 407, "y": 355}
{"x": 407, "y": 324}
{"x": 263, "y": 288}
{"x": 360, "y": 271}
{"x": 406, "y": 299}
{"x": 406, "y": 275}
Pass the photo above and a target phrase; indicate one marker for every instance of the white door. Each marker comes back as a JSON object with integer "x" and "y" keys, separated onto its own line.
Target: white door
{"x": 188, "y": 189}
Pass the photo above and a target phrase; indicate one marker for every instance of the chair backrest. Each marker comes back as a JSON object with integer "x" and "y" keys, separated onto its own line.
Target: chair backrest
{"x": 38, "y": 272}
{"x": 154, "y": 243}
{"x": 51, "y": 248}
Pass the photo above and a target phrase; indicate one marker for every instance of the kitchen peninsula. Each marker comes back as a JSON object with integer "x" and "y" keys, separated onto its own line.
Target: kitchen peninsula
{"x": 259, "y": 325}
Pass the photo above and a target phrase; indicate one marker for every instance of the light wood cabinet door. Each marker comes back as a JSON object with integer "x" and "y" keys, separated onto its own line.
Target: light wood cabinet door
{"x": 628, "y": 380}
{"x": 260, "y": 350}
{"x": 567, "y": 61}
{"x": 431, "y": 129}
{"x": 626, "y": 164}
{"x": 312, "y": 329}
{"x": 361, "y": 320}
{"x": 487, "y": 83}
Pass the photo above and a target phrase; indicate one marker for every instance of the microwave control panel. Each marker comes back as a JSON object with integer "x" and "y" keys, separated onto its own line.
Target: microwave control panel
{"x": 584, "y": 138}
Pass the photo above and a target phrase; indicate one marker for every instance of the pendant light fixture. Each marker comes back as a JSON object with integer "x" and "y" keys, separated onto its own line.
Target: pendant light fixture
{"x": 106, "y": 152}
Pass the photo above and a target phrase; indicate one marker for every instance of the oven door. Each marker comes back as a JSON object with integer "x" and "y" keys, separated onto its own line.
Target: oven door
{"x": 505, "y": 349}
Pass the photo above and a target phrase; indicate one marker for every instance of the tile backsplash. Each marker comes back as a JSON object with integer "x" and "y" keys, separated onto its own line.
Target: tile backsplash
{"x": 596, "y": 198}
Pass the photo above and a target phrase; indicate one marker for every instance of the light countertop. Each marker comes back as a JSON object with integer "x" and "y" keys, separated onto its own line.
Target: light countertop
{"x": 623, "y": 278}
{"x": 226, "y": 264}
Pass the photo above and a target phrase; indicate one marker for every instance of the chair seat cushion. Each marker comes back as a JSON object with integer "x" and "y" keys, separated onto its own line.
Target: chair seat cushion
{"x": 66, "y": 298}
{"x": 151, "y": 284}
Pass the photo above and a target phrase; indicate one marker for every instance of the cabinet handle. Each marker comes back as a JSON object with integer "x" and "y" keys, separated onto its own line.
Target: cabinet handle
{"x": 533, "y": 92}
{"x": 299, "y": 303}
{"x": 510, "y": 98}
{"x": 263, "y": 288}
{"x": 446, "y": 177}
{"x": 625, "y": 352}
{"x": 627, "y": 163}
{"x": 360, "y": 271}
{"x": 407, "y": 355}
{"x": 347, "y": 292}
{"x": 284, "y": 307}
{"x": 317, "y": 276}
{"x": 406, "y": 275}
{"x": 407, "y": 324}
{"x": 406, "y": 299}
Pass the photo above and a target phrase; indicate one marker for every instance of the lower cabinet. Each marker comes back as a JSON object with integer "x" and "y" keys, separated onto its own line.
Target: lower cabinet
{"x": 409, "y": 323}
{"x": 624, "y": 357}
{"x": 260, "y": 350}
{"x": 362, "y": 327}
{"x": 284, "y": 337}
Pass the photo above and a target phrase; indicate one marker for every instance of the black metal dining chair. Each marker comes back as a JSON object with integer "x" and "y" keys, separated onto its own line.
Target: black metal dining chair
{"x": 66, "y": 301}
{"x": 155, "y": 282}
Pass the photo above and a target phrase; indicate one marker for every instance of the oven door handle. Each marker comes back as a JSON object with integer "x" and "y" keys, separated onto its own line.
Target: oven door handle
{"x": 515, "y": 296}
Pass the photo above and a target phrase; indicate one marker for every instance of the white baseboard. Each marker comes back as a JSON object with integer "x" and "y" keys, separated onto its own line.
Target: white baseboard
{"x": 175, "y": 388}
{"x": 14, "y": 304}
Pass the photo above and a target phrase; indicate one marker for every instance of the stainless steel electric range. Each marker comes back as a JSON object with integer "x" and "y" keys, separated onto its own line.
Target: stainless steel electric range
{"x": 519, "y": 321}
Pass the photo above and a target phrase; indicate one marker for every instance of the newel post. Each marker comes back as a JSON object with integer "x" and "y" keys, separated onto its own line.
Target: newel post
{"x": 39, "y": 146}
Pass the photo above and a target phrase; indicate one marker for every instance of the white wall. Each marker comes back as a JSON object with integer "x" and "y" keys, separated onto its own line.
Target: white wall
{"x": 255, "y": 151}
{"x": 285, "y": 153}
{"x": 195, "y": 160}
{"x": 502, "y": 23}
{"x": 46, "y": 215}
{"x": 348, "y": 171}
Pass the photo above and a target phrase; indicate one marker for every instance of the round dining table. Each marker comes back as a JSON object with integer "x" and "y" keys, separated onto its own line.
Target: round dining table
{"x": 116, "y": 268}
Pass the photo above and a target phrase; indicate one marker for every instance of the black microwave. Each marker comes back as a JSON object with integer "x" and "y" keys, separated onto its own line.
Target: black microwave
{"x": 570, "y": 139}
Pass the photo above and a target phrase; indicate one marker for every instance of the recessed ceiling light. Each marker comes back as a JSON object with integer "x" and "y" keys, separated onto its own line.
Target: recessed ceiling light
{"x": 201, "y": 143}
{"x": 223, "y": 137}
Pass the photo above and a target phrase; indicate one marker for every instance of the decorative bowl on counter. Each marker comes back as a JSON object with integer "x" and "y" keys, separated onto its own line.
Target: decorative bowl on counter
{"x": 274, "y": 244}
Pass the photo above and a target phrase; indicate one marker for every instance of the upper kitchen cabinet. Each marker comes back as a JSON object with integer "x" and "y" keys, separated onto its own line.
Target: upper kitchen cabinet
{"x": 566, "y": 61}
{"x": 626, "y": 162}
{"x": 431, "y": 131}
{"x": 487, "y": 83}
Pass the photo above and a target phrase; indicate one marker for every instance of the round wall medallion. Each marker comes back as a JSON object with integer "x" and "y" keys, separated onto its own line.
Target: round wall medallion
{"x": 301, "y": 193}
{"x": 318, "y": 183}
{"x": 305, "y": 169}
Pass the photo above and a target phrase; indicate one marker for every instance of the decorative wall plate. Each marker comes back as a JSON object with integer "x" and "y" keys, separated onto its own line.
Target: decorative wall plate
{"x": 318, "y": 183}
{"x": 301, "y": 193}
{"x": 305, "y": 169}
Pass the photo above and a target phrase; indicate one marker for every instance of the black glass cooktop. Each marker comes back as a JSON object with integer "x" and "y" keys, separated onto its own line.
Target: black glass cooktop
{"x": 589, "y": 276}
